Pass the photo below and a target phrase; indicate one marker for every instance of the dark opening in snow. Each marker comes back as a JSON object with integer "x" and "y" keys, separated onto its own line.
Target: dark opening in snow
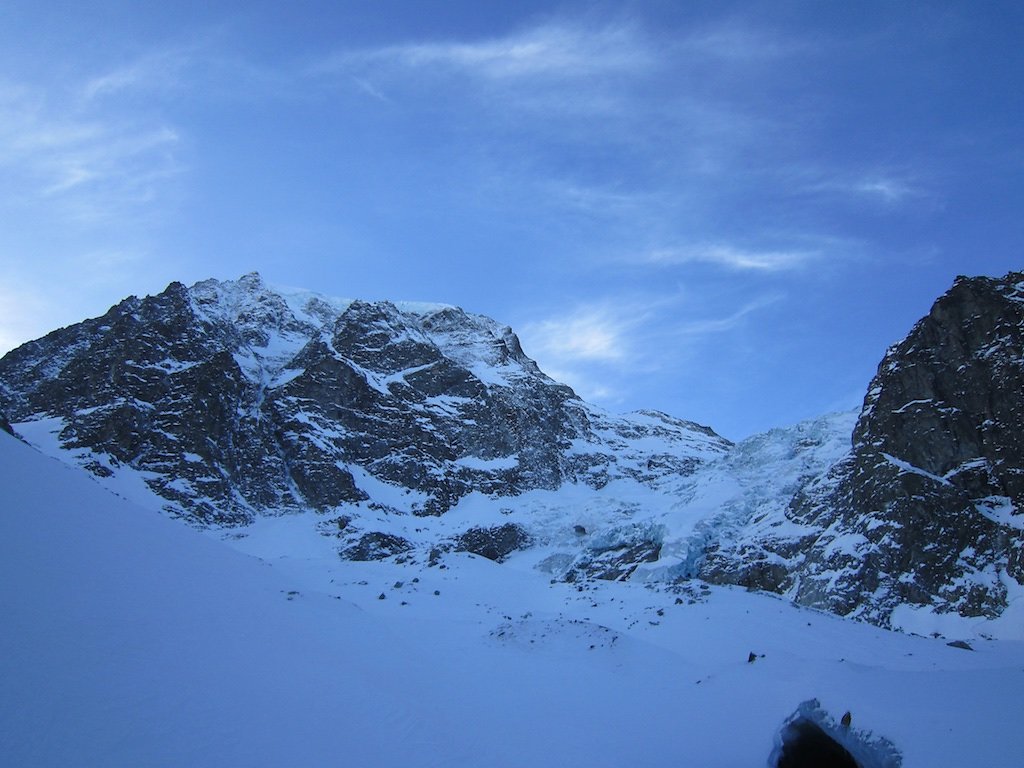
{"x": 811, "y": 738}
{"x": 806, "y": 745}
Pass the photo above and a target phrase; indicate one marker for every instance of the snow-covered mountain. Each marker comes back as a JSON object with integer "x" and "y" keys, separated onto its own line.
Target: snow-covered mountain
{"x": 230, "y": 400}
{"x": 399, "y": 434}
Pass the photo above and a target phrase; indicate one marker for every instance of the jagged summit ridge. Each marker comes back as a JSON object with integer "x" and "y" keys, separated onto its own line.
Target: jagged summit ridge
{"x": 233, "y": 399}
{"x": 274, "y": 324}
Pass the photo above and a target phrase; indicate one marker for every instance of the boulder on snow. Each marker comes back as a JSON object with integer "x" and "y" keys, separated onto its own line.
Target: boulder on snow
{"x": 376, "y": 546}
{"x": 495, "y": 543}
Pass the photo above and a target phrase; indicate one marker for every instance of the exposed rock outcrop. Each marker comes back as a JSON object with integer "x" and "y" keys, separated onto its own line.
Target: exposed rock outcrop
{"x": 925, "y": 513}
{"x": 495, "y": 543}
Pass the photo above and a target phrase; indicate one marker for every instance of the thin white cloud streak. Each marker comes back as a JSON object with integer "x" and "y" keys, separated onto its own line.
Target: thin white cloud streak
{"x": 588, "y": 347}
{"x": 590, "y": 334}
{"x": 110, "y": 156}
{"x": 712, "y": 326}
{"x": 158, "y": 70}
{"x": 554, "y": 50}
{"x": 626, "y": 333}
{"x": 369, "y": 88}
{"x": 664, "y": 115}
{"x": 886, "y": 188}
{"x": 578, "y": 69}
{"x": 733, "y": 258}
{"x": 82, "y": 182}
{"x": 889, "y": 191}
{"x": 603, "y": 202}
{"x": 568, "y": 49}
{"x": 203, "y": 69}
{"x": 599, "y": 349}
{"x": 740, "y": 45}
{"x": 591, "y": 385}
{"x": 94, "y": 164}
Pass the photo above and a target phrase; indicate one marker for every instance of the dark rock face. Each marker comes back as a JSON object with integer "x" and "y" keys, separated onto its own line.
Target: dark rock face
{"x": 231, "y": 400}
{"x": 926, "y": 509}
{"x": 495, "y": 543}
{"x": 947, "y": 400}
{"x": 376, "y": 546}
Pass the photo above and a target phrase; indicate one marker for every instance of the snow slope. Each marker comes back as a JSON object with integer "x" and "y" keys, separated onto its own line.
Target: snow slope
{"x": 130, "y": 640}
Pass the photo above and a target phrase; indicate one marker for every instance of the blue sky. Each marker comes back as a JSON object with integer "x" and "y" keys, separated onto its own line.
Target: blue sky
{"x": 726, "y": 211}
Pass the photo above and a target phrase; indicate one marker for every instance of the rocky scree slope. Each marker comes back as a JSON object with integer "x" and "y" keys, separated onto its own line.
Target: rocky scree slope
{"x": 924, "y": 514}
{"x": 232, "y": 400}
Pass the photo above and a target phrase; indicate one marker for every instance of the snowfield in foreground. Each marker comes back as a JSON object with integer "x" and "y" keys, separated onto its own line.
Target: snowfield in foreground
{"x": 132, "y": 640}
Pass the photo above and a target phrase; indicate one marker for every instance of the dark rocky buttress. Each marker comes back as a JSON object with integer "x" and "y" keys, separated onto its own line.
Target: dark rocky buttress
{"x": 926, "y": 510}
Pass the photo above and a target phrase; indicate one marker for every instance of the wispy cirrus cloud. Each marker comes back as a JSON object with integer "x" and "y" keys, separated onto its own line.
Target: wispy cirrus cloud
{"x": 638, "y": 131}
{"x": 740, "y": 44}
{"x": 554, "y": 50}
{"x": 592, "y": 334}
{"x": 599, "y": 348}
{"x": 205, "y": 69}
{"x": 91, "y": 163}
{"x": 82, "y": 184}
{"x": 588, "y": 347}
{"x": 571, "y": 49}
{"x": 710, "y": 326}
{"x": 161, "y": 69}
{"x": 526, "y": 80}
{"x": 889, "y": 188}
{"x": 886, "y": 190}
{"x": 732, "y": 257}
{"x": 576, "y": 66}
{"x": 369, "y": 88}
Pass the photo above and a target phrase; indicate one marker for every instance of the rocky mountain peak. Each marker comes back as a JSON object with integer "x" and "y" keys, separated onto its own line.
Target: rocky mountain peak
{"x": 233, "y": 399}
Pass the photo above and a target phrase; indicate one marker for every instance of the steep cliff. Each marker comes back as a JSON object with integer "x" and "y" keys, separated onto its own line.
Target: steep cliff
{"x": 925, "y": 512}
